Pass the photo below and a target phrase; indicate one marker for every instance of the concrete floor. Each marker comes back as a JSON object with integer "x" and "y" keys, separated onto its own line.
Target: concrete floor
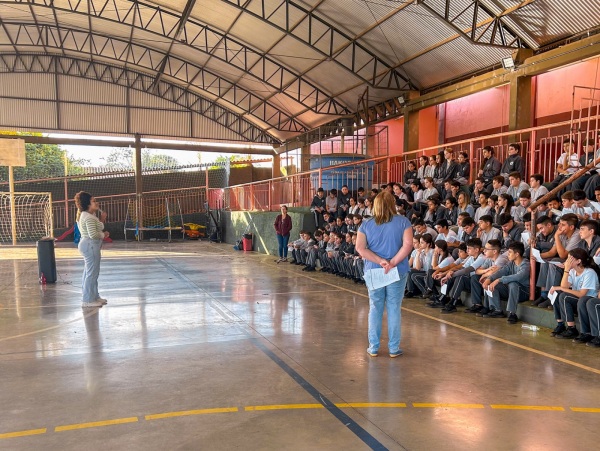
{"x": 203, "y": 347}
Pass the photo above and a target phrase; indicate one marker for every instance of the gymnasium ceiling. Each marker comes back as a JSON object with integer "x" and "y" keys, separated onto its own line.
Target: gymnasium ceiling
{"x": 267, "y": 70}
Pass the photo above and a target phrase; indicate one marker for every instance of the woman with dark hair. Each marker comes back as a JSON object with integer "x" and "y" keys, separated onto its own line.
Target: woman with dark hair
{"x": 463, "y": 169}
{"x": 91, "y": 229}
{"x": 283, "y": 226}
{"x": 385, "y": 243}
{"x": 504, "y": 204}
{"x": 439, "y": 260}
{"x": 579, "y": 281}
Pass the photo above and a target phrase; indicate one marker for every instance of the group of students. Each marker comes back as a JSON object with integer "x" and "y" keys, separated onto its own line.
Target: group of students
{"x": 478, "y": 238}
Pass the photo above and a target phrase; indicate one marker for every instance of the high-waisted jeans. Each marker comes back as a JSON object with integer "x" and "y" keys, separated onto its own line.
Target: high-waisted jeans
{"x": 90, "y": 249}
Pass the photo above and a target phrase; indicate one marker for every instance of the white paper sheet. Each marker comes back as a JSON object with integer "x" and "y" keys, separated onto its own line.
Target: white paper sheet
{"x": 595, "y": 206}
{"x": 489, "y": 293}
{"x": 559, "y": 264}
{"x": 444, "y": 289}
{"x": 588, "y": 210}
{"x": 553, "y": 296}
{"x": 376, "y": 278}
{"x": 525, "y": 237}
{"x": 557, "y": 212}
{"x": 597, "y": 260}
{"x": 538, "y": 257}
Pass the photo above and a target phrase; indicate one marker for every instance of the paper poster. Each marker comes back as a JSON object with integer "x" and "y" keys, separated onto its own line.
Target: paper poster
{"x": 377, "y": 278}
{"x": 538, "y": 257}
{"x": 444, "y": 289}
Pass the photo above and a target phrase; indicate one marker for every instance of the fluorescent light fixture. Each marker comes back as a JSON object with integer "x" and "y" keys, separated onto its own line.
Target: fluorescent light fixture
{"x": 508, "y": 63}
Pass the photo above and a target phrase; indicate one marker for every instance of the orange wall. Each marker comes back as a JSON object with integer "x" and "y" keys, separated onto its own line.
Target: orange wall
{"x": 395, "y": 135}
{"x": 486, "y": 110}
{"x": 555, "y": 88}
{"x": 428, "y": 127}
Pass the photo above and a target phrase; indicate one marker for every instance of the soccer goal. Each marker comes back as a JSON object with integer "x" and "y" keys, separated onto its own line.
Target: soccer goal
{"x": 158, "y": 214}
{"x": 32, "y": 217}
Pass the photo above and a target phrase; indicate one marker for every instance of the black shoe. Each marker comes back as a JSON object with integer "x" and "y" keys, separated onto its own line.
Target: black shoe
{"x": 299, "y": 263}
{"x": 559, "y": 329}
{"x": 409, "y": 294}
{"x": 545, "y": 304}
{"x": 474, "y": 308}
{"x": 458, "y": 303}
{"x": 309, "y": 269}
{"x": 495, "y": 314}
{"x": 595, "y": 343}
{"x": 293, "y": 262}
{"x": 538, "y": 301}
{"x": 583, "y": 338}
{"x": 570, "y": 333}
{"x": 427, "y": 294}
{"x": 512, "y": 318}
{"x": 450, "y": 308}
{"x": 481, "y": 313}
{"x": 435, "y": 304}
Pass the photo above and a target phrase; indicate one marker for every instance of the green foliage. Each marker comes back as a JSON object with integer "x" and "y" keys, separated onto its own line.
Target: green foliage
{"x": 122, "y": 158}
{"x": 221, "y": 160}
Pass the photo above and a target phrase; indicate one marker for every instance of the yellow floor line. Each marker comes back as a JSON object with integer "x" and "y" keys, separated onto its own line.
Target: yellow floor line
{"x": 23, "y": 433}
{"x": 95, "y": 424}
{"x": 184, "y": 413}
{"x": 283, "y": 407}
{"x": 436, "y": 405}
{"x": 585, "y": 409}
{"x": 467, "y": 329}
{"x": 513, "y": 407}
{"x": 359, "y": 405}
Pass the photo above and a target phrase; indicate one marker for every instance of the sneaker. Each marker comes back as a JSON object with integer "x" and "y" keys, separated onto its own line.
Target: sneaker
{"x": 545, "y": 304}
{"x": 395, "y": 354}
{"x": 474, "y": 308}
{"x": 512, "y": 318}
{"x": 91, "y": 304}
{"x": 409, "y": 294}
{"x": 292, "y": 262}
{"x": 450, "y": 308}
{"x": 104, "y": 301}
{"x": 481, "y": 313}
{"x": 284, "y": 259}
{"x": 435, "y": 304}
{"x": 538, "y": 301}
{"x": 309, "y": 269}
{"x": 595, "y": 343}
{"x": 495, "y": 314}
{"x": 426, "y": 295}
{"x": 372, "y": 353}
{"x": 559, "y": 329}
{"x": 570, "y": 333}
{"x": 583, "y": 338}
{"x": 278, "y": 260}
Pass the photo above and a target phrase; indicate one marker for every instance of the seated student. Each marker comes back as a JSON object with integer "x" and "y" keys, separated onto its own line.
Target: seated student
{"x": 579, "y": 283}
{"x": 344, "y": 256}
{"x": 328, "y": 221}
{"x": 505, "y": 205}
{"x": 487, "y": 231}
{"x": 339, "y": 226}
{"x": 349, "y": 221}
{"x": 412, "y": 260}
{"x": 417, "y": 192}
{"x": 360, "y": 192}
{"x": 343, "y": 202}
{"x": 331, "y": 203}
{"x": 430, "y": 189}
{"x": 399, "y": 192}
{"x": 467, "y": 230}
{"x": 494, "y": 260}
{"x": 374, "y": 192}
{"x": 554, "y": 205}
{"x": 357, "y": 222}
{"x": 511, "y": 230}
{"x": 464, "y": 204}
{"x": 492, "y": 203}
{"x": 478, "y": 188}
{"x": 421, "y": 229}
{"x": 411, "y": 174}
{"x": 421, "y": 171}
{"x": 447, "y": 189}
{"x": 317, "y": 207}
{"x": 586, "y": 157}
{"x": 567, "y": 164}
{"x": 511, "y": 281}
{"x": 527, "y": 239}
{"x": 455, "y": 188}
{"x": 353, "y": 206}
{"x": 444, "y": 232}
{"x": 514, "y": 162}
{"x": 357, "y": 264}
{"x": 451, "y": 214}
{"x": 368, "y": 208}
{"x": 434, "y": 212}
{"x": 441, "y": 258}
{"x": 537, "y": 190}
{"x": 516, "y": 185}
{"x": 580, "y": 204}
{"x": 491, "y": 166}
{"x": 458, "y": 280}
{"x": 313, "y": 251}
{"x": 439, "y": 274}
{"x": 421, "y": 263}
{"x": 498, "y": 185}
{"x": 463, "y": 169}
{"x": 326, "y": 257}
{"x": 566, "y": 238}
{"x": 484, "y": 208}
{"x": 522, "y": 208}
{"x": 361, "y": 206}
{"x": 300, "y": 245}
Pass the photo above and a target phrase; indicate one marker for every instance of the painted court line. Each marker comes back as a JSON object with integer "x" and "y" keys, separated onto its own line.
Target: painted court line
{"x": 512, "y": 407}
{"x": 467, "y": 329}
{"x": 439, "y": 405}
{"x": 284, "y": 407}
{"x": 185, "y": 413}
{"x": 585, "y": 409}
{"x": 23, "y": 433}
{"x": 95, "y": 424}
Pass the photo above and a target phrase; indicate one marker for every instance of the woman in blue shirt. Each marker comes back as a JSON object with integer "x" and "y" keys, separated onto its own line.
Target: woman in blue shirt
{"x": 385, "y": 242}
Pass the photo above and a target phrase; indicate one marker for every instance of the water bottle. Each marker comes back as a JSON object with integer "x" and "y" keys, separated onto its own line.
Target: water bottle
{"x": 43, "y": 279}
{"x": 530, "y": 327}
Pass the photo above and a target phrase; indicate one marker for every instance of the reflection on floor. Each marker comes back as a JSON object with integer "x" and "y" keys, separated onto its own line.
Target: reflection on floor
{"x": 204, "y": 347}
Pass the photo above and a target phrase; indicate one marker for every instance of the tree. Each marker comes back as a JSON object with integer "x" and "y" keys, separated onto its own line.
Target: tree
{"x": 43, "y": 161}
{"x": 122, "y": 158}
{"x": 221, "y": 160}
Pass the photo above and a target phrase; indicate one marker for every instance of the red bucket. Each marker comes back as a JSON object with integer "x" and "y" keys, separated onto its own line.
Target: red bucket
{"x": 247, "y": 242}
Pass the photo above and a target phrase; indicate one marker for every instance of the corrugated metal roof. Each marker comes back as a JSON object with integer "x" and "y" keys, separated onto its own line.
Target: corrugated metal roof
{"x": 332, "y": 50}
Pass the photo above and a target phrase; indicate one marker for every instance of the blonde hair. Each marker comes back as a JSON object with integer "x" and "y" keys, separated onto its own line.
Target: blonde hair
{"x": 384, "y": 207}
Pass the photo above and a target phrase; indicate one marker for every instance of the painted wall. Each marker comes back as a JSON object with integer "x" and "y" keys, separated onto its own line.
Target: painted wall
{"x": 395, "y": 135}
{"x": 428, "y": 127}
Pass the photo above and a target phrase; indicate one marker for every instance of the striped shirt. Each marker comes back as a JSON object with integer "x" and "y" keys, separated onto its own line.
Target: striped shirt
{"x": 90, "y": 226}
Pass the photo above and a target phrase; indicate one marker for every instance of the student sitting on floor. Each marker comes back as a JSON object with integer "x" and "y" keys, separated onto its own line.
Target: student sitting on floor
{"x": 511, "y": 281}
{"x": 459, "y": 281}
{"x": 522, "y": 207}
{"x": 296, "y": 246}
{"x": 332, "y": 246}
{"x": 358, "y": 265}
{"x": 511, "y": 231}
{"x": 441, "y": 259}
{"x": 579, "y": 282}
{"x": 487, "y": 231}
{"x": 484, "y": 208}
{"x": 313, "y": 252}
{"x": 345, "y": 253}
{"x": 421, "y": 229}
{"x": 588, "y": 310}
{"x": 301, "y": 254}
{"x": 444, "y": 232}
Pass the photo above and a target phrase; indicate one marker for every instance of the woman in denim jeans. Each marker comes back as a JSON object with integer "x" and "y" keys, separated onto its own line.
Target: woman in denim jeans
{"x": 283, "y": 226}
{"x": 385, "y": 241}
{"x": 91, "y": 229}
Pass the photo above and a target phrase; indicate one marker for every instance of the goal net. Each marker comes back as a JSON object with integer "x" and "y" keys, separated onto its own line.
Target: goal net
{"x": 33, "y": 214}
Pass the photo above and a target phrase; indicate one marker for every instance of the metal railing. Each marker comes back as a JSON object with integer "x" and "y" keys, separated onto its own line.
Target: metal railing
{"x": 540, "y": 148}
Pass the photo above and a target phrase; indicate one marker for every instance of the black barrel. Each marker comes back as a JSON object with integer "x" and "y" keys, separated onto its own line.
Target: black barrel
{"x": 46, "y": 259}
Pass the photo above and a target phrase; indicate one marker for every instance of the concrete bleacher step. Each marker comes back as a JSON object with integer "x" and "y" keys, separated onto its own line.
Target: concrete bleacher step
{"x": 528, "y": 313}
